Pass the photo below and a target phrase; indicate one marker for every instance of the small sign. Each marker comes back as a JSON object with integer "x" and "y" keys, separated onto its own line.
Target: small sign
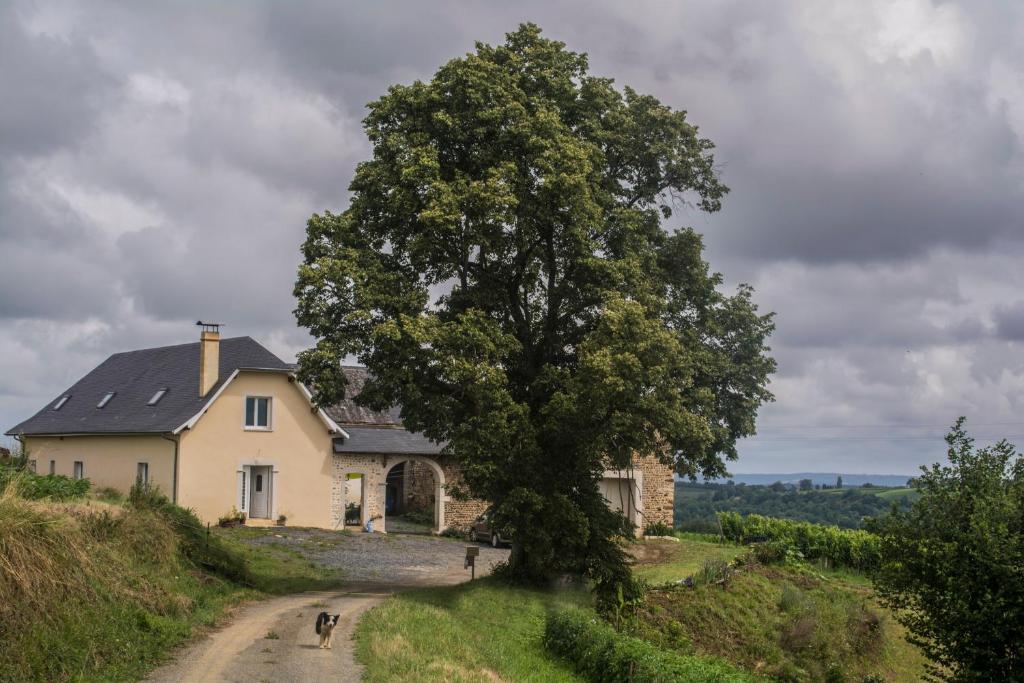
{"x": 472, "y": 552}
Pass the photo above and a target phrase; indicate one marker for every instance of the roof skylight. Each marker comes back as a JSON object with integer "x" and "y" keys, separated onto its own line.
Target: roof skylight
{"x": 105, "y": 400}
{"x": 60, "y": 402}
{"x": 157, "y": 396}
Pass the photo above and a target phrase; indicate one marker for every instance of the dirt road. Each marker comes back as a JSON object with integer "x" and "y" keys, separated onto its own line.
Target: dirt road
{"x": 274, "y": 640}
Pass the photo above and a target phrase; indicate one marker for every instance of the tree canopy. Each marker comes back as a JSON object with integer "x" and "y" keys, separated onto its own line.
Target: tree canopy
{"x": 503, "y": 271}
{"x": 953, "y": 565}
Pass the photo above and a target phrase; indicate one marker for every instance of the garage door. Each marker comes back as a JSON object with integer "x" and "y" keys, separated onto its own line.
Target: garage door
{"x": 619, "y": 493}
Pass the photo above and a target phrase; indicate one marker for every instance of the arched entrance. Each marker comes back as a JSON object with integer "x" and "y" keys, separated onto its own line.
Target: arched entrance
{"x": 412, "y": 484}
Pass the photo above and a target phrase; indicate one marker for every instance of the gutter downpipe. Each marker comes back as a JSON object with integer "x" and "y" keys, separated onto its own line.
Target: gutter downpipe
{"x": 175, "y": 439}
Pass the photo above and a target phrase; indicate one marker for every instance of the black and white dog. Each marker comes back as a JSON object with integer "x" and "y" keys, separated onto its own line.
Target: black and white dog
{"x": 325, "y": 625}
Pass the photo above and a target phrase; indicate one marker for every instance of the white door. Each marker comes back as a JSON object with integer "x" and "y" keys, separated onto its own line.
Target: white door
{"x": 260, "y": 488}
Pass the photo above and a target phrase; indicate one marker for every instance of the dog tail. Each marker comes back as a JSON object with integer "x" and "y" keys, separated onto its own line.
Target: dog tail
{"x": 320, "y": 619}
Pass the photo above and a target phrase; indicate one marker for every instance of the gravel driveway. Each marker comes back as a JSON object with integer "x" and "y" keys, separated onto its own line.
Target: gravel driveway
{"x": 274, "y": 640}
{"x": 400, "y": 559}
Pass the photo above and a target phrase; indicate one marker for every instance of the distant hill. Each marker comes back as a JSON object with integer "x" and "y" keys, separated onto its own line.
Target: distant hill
{"x": 819, "y": 478}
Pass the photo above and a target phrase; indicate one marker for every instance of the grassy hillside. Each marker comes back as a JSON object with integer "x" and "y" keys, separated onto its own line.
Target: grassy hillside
{"x": 482, "y": 631}
{"x": 790, "y": 623}
{"x": 91, "y": 590}
{"x": 778, "y": 622}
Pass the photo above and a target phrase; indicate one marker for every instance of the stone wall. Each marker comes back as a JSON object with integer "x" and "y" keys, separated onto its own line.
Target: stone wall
{"x": 419, "y": 486}
{"x": 657, "y": 494}
{"x": 658, "y": 491}
{"x": 459, "y": 514}
{"x": 372, "y": 469}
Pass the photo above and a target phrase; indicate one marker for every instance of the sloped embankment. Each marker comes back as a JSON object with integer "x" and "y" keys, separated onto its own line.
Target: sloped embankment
{"x": 91, "y": 591}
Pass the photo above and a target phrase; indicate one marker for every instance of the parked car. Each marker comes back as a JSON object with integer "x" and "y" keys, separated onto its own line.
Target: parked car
{"x": 482, "y": 530}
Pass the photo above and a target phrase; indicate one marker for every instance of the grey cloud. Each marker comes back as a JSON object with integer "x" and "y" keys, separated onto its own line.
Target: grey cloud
{"x": 53, "y": 88}
{"x": 158, "y": 162}
{"x": 1009, "y": 321}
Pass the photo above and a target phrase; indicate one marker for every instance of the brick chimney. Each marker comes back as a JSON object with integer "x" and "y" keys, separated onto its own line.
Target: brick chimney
{"x": 209, "y": 356}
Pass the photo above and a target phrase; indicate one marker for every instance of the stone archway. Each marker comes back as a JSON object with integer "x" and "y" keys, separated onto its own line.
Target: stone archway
{"x": 390, "y": 462}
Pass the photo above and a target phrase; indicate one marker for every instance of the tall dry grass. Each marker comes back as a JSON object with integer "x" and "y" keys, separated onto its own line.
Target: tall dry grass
{"x": 89, "y": 587}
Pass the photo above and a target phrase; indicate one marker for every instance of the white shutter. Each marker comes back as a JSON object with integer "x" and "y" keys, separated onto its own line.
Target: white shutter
{"x": 242, "y": 490}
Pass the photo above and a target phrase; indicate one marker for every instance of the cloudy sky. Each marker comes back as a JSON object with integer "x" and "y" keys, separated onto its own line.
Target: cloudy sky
{"x": 158, "y": 162}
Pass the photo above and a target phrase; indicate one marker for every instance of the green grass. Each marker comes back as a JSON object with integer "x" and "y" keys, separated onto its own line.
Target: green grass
{"x": 92, "y": 591}
{"x": 478, "y": 631}
{"x": 788, "y": 623}
{"x": 277, "y": 568}
{"x": 668, "y": 561}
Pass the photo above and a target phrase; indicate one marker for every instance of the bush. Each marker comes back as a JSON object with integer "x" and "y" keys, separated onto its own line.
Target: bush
{"x": 658, "y": 529}
{"x": 234, "y": 517}
{"x": 419, "y": 515}
{"x": 37, "y": 486}
{"x": 842, "y": 547}
{"x": 600, "y": 653}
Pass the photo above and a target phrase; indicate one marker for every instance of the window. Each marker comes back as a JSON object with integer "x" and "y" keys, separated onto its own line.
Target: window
{"x": 53, "y": 467}
{"x": 257, "y": 412}
{"x": 259, "y": 483}
{"x": 142, "y": 474}
{"x": 79, "y": 469}
{"x": 105, "y": 400}
{"x": 60, "y": 402}
{"x": 157, "y": 396}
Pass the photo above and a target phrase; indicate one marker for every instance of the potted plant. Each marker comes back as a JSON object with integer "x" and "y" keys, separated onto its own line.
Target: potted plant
{"x": 281, "y": 519}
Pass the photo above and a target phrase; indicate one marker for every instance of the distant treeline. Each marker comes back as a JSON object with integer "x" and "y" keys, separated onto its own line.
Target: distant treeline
{"x": 697, "y": 504}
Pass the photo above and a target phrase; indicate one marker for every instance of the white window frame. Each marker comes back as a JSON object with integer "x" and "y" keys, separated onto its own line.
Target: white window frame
{"x": 255, "y": 414}
{"x": 78, "y": 469}
{"x": 142, "y": 472}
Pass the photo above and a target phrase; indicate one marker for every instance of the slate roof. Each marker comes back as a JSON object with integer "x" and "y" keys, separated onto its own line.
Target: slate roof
{"x": 135, "y": 376}
{"x": 346, "y": 412}
{"x": 374, "y": 431}
{"x": 385, "y": 440}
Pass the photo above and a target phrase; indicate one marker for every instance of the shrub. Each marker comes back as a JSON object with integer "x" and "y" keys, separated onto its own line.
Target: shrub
{"x": 420, "y": 515}
{"x": 232, "y": 518}
{"x": 712, "y": 572}
{"x": 37, "y": 486}
{"x": 108, "y": 494}
{"x": 658, "y": 529}
{"x": 600, "y": 653}
{"x": 842, "y": 547}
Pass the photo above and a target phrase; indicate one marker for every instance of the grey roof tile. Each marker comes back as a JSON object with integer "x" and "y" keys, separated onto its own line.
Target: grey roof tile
{"x": 386, "y": 440}
{"x": 346, "y": 412}
{"x": 135, "y": 376}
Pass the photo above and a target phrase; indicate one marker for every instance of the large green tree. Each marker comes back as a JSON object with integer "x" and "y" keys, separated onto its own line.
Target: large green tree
{"x": 953, "y": 565}
{"x": 503, "y": 272}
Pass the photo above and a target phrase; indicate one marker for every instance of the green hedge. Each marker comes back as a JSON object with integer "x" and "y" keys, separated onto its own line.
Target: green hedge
{"x": 600, "y": 653}
{"x": 842, "y": 547}
{"x": 36, "y": 486}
